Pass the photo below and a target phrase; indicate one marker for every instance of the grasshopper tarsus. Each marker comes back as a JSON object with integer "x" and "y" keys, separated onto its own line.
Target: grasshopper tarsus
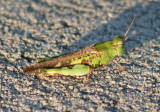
{"x": 86, "y": 84}
{"x": 122, "y": 69}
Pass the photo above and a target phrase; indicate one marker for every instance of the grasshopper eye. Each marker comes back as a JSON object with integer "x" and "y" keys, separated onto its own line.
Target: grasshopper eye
{"x": 120, "y": 43}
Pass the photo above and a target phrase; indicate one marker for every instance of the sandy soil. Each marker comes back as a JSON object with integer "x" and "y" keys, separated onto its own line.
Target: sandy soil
{"x": 31, "y": 29}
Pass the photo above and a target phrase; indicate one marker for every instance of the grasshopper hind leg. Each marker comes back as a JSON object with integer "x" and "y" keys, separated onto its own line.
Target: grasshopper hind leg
{"x": 72, "y": 70}
{"x": 88, "y": 76}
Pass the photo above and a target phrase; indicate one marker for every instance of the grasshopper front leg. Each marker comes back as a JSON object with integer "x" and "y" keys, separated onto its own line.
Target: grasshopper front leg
{"x": 121, "y": 67}
{"x": 116, "y": 51}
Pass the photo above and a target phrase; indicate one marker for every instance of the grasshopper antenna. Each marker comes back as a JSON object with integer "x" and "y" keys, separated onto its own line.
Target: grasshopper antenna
{"x": 129, "y": 27}
{"x": 132, "y": 35}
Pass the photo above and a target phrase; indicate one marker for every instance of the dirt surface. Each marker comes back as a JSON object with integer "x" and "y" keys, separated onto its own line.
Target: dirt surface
{"x": 31, "y": 29}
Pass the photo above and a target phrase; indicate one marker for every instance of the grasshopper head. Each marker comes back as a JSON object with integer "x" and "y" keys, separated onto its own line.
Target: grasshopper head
{"x": 119, "y": 45}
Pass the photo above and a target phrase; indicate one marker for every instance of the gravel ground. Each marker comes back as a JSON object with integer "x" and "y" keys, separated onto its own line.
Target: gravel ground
{"x": 31, "y": 29}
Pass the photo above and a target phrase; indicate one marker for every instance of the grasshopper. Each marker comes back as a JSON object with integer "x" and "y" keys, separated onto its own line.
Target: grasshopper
{"x": 83, "y": 61}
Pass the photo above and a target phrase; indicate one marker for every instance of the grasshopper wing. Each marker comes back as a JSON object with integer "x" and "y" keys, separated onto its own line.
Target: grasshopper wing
{"x": 64, "y": 60}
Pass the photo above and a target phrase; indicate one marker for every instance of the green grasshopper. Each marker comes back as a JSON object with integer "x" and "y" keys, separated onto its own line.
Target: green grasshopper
{"x": 83, "y": 61}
